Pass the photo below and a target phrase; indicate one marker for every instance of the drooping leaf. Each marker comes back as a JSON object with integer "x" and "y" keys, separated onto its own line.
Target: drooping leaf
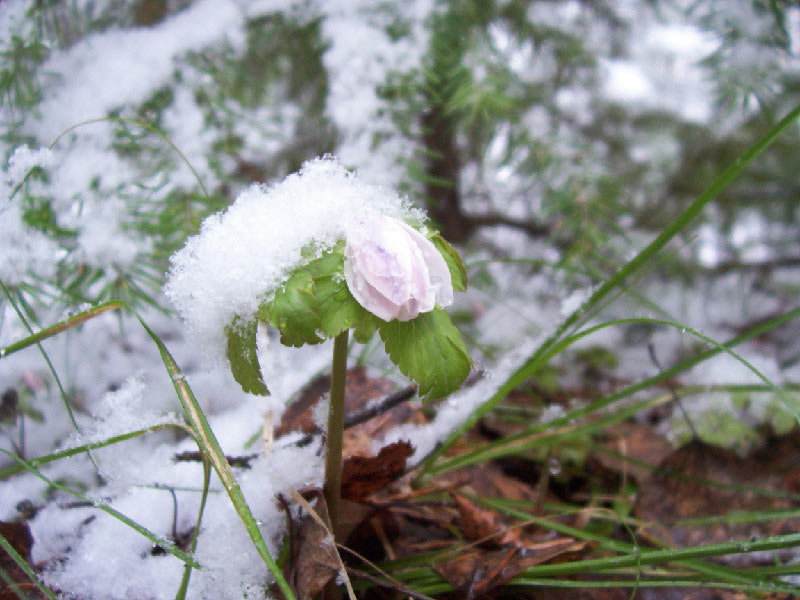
{"x": 314, "y": 303}
{"x": 457, "y": 271}
{"x": 242, "y": 355}
{"x": 429, "y": 350}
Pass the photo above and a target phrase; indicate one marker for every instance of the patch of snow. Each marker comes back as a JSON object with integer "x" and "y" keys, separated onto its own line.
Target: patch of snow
{"x": 25, "y": 251}
{"x": 119, "y": 67}
{"x": 360, "y": 56}
{"x": 120, "y": 412}
{"x": 24, "y": 159}
{"x": 626, "y": 81}
{"x": 575, "y": 300}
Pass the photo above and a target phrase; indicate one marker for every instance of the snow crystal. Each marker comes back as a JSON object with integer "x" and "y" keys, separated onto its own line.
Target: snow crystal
{"x": 103, "y": 242}
{"x": 25, "y": 251}
{"x": 552, "y": 412}
{"x": 625, "y": 81}
{"x": 243, "y": 255}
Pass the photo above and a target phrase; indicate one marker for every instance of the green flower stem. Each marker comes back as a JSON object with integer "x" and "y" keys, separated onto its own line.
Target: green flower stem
{"x": 333, "y": 459}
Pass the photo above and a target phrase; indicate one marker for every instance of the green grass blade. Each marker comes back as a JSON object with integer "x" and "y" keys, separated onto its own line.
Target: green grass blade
{"x": 166, "y": 544}
{"x": 11, "y": 584}
{"x": 144, "y": 125}
{"x": 205, "y": 437}
{"x": 210, "y": 447}
{"x": 64, "y": 325}
{"x": 653, "y": 557}
{"x": 634, "y": 556}
{"x": 509, "y": 444}
{"x": 49, "y": 363}
{"x": 187, "y": 571}
{"x": 533, "y": 363}
{"x": 762, "y": 587}
{"x": 48, "y": 458}
{"x": 23, "y": 564}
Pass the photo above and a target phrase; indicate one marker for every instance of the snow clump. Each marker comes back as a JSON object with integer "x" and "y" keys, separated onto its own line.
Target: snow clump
{"x": 24, "y": 250}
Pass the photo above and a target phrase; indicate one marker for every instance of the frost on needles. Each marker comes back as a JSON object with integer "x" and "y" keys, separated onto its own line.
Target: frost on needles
{"x": 312, "y": 256}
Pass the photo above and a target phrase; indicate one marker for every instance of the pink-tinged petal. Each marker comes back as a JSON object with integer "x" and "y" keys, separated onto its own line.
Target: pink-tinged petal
{"x": 421, "y": 289}
{"x": 438, "y": 272}
{"x": 384, "y": 257}
{"x": 409, "y": 310}
{"x": 365, "y": 294}
{"x": 393, "y": 271}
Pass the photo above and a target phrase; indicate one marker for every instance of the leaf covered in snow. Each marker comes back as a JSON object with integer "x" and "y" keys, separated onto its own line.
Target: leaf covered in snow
{"x": 314, "y": 303}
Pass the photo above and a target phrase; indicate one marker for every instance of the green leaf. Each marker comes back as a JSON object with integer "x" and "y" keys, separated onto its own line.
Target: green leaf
{"x": 314, "y": 303}
{"x": 429, "y": 350}
{"x": 241, "y": 353}
{"x": 337, "y": 308}
{"x": 457, "y": 271}
{"x": 365, "y": 327}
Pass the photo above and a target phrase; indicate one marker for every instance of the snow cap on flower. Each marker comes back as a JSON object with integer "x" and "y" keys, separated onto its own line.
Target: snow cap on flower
{"x": 393, "y": 271}
{"x": 245, "y": 254}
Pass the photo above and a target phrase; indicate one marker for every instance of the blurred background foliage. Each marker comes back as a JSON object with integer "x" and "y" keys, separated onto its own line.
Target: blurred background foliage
{"x": 567, "y": 133}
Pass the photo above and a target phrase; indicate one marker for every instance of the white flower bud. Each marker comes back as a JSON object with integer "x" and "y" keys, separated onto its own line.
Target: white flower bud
{"x": 393, "y": 271}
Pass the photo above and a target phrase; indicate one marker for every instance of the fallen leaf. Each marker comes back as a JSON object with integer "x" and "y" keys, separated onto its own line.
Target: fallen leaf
{"x": 477, "y": 572}
{"x": 700, "y": 480}
{"x": 637, "y": 441}
{"x": 360, "y": 389}
{"x": 19, "y": 536}
{"x": 363, "y": 476}
{"x": 489, "y": 481}
{"x": 317, "y": 561}
{"x": 413, "y": 528}
{"x": 484, "y": 525}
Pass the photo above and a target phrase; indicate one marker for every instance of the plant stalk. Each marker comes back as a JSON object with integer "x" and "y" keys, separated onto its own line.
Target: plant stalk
{"x": 332, "y": 488}
{"x": 333, "y": 458}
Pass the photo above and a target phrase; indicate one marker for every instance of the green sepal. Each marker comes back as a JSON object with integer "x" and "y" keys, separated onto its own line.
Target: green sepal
{"x": 243, "y": 357}
{"x": 314, "y": 303}
{"x": 429, "y": 350}
{"x": 458, "y": 273}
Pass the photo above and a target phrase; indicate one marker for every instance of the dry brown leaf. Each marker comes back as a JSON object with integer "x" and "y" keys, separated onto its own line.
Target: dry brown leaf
{"x": 496, "y": 484}
{"x": 483, "y": 525}
{"x": 317, "y": 561}
{"x": 360, "y": 389}
{"x": 638, "y": 441}
{"x": 414, "y": 529}
{"x": 363, "y": 476}
{"x": 701, "y": 480}
{"x": 19, "y": 536}
{"x": 489, "y": 481}
{"x": 477, "y": 572}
